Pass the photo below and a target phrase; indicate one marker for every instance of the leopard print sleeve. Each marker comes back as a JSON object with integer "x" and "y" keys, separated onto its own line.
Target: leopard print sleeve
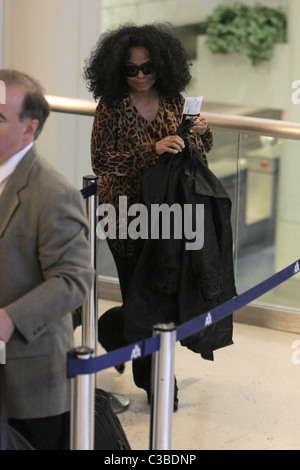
{"x": 207, "y": 140}
{"x": 116, "y": 146}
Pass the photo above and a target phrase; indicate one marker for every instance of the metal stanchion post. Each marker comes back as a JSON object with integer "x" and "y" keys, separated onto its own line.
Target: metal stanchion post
{"x": 83, "y": 387}
{"x": 81, "y": 424}
{"x": 90, "y": 309}
{"x": 162, "y": 394}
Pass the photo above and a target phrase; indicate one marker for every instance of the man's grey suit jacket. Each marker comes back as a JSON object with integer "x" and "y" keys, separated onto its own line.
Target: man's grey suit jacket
{"x": 45, "y": 273}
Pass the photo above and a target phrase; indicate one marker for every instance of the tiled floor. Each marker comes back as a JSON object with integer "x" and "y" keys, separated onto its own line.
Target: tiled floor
{"x": 247, "y": 399}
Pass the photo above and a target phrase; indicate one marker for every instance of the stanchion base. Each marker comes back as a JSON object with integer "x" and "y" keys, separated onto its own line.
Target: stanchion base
{"x": 119, "y": 403}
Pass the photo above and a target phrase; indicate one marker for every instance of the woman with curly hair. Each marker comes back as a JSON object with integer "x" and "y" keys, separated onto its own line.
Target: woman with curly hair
{"x": 138, "y": 74}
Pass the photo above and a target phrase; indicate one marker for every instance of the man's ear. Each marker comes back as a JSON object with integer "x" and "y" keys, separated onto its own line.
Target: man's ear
{"x": 31, "y": 127}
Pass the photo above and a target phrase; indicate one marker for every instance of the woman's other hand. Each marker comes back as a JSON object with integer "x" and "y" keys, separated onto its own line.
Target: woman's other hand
{"x": 171, "y": 144}
{"x": 200, "y": 126}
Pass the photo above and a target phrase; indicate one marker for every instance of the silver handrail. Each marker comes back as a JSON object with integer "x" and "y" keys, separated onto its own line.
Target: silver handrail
{"x": 61, "y": 104}
{"x": 234, "y": 123}
{"x": 253, "y": 125}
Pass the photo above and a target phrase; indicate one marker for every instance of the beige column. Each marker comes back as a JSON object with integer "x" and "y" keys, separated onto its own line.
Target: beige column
{"x": 1, "y": 34}
{"x": 50, "y": 39}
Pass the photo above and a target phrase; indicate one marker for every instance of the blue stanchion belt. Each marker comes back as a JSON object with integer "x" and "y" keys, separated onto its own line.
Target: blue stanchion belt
{"x": 148, "y": 346}
{"x": 89, "y": 190}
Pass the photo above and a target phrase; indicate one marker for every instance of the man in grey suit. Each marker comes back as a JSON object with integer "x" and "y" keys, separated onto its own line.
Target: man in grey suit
{"x": 45, "y": 270}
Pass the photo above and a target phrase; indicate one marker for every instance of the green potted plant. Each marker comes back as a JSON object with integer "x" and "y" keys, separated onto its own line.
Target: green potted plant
{"x": 241, "y": 28}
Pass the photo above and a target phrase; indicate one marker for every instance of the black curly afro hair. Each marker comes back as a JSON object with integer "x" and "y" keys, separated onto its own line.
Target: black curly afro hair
{"x": 103, "y": 71}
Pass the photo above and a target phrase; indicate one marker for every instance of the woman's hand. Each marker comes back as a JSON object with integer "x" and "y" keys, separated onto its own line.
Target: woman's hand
{"x": 171, "y": 144}
{"x": 200, "y": 126}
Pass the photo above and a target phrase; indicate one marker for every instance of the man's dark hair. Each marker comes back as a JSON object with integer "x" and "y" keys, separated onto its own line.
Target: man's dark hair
{"x": 35, "y": 105}
{"x": 104, "y": 70}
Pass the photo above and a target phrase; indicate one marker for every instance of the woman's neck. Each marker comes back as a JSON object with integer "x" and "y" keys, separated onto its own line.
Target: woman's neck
{"x": 146, "y": 103}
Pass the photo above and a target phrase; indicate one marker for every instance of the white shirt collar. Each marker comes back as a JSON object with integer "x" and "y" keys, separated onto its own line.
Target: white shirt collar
{"x": 8, "y": 167}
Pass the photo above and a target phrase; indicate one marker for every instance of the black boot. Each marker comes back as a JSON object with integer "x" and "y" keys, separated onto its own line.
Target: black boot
{"x": 110, "y": 332}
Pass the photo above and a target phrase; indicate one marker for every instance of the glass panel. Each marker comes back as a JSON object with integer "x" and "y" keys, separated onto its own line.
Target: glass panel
{"x": 269, "y": 223}
{"x": 106, "y": 265}
{"x": 223, "y": 161}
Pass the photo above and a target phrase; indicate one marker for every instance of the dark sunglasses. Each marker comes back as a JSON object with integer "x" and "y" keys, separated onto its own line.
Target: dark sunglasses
{"x": 132, "y": 70}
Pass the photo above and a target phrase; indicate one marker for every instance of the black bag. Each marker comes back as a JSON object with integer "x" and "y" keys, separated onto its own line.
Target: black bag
{"x": 15, "y": 440}
{"x": 109, "y": 433}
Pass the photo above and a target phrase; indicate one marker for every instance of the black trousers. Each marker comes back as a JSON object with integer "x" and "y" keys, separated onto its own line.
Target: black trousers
{"x": 51, "y": 433}
{"x": 126, "y": 265}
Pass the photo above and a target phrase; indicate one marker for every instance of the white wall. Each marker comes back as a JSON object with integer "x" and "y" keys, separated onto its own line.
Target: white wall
{"x": 50, "y": 40}
{"x": 177, "y": 12}
{"x": 232, "y": 79}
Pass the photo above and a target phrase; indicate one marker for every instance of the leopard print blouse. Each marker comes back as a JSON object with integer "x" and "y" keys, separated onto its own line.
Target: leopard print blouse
{"x": 123, "y": 147}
